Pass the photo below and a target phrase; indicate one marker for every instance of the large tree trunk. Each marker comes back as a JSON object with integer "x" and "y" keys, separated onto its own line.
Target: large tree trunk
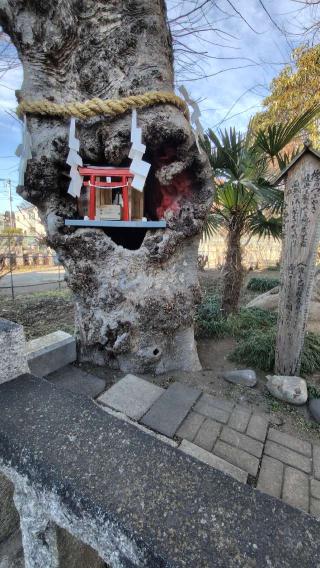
{"x": 134, "y": 308}
{"x": 233, "y": 271}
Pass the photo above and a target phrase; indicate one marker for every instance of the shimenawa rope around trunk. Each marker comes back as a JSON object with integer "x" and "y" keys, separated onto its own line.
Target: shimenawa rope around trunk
{"x": 95, "y": 107}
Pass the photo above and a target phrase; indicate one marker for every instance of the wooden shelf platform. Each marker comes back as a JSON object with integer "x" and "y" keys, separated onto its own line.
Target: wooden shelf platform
{"x": 119, "y": 224}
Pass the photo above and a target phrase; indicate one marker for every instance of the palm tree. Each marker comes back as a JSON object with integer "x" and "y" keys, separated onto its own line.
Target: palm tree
{"x": 246, "y": 203}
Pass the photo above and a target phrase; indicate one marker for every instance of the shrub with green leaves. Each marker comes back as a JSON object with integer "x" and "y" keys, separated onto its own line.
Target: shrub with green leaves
{"x": 313, "y": 391}
{"x": 257, "y": 284}
{"x": 211, "y": 322}
{"x": 257, "y": 349}
{"x": 248, "y": 319}
{"x": 310, "y": 362}
{"x": 209, "y": 319}
{"x": 256, "y": 330}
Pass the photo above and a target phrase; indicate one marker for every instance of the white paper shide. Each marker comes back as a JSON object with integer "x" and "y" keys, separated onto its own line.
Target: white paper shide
{"x": 138, "y": 167}
{"x": 74, "y": 161}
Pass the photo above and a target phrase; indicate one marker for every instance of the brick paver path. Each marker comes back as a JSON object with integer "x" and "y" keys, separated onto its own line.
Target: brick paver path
{"x": 233, "y": 438}
{"x": 276, "y": 463}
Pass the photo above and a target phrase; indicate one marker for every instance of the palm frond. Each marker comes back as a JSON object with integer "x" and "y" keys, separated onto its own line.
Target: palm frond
{"x": 264, "y": 226}
{"x": 226, "y": 152}
{"x": 268, "y": 196}
{"x": 285, "y": 158}
{"x": 273, "y": 139}
{"x": 212, "y": 224}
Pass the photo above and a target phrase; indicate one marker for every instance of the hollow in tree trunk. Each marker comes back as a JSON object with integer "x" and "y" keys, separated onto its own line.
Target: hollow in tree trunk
{"x": 134, "y": 308}
{"x": 233, "y": 271}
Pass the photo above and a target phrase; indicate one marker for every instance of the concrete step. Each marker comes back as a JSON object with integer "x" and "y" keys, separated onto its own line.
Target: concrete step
{"x": 76, "y": 380}
{"x": 132, "y": 396}
{"x": 168, "y": 412}
{"x": 50, "y": 352}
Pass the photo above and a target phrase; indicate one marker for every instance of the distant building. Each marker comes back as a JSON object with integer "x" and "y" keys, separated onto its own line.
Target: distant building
{"x": 24, "y": 245}
{"x": 5, "y": 221}
{"x": 27, "y": 219}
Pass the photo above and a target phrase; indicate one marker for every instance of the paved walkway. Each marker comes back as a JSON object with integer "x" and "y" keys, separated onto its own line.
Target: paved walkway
{"x": 33, "y": 281}
{"x": 232, "y": 438}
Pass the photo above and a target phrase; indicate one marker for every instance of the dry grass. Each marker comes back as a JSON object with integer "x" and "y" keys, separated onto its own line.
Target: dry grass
{"x": 40, "y": 313}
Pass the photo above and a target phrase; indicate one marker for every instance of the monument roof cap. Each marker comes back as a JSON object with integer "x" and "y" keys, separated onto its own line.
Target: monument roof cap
{"x": 307, "y": 148}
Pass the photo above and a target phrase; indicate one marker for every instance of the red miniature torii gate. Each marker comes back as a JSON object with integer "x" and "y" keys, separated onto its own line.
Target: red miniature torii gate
{"x": 125, "y": 176}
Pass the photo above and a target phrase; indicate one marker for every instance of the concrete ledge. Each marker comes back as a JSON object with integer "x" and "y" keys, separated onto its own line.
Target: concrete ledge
{"x": 51, "y": 352}
{"x": 137, "y": 501}
{"x": 214, "y": 461}
{"x": 13, "y": 358}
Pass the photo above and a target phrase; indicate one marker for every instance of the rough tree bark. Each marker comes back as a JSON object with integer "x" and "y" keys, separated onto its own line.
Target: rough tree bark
{"x": 233, "y": 276}
{"x": 134, "y": 308}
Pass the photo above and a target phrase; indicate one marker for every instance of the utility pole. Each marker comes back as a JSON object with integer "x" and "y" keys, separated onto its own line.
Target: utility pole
{"x": 8, "y": 182}
{"x": 10, "y": 199}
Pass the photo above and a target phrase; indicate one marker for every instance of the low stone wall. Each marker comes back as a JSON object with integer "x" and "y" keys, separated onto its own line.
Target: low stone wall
{"x": 46, "y": 354}
{"x": 50, "y": 352}
{"x": 9, "y": 518}
{"x": 13, "y": 351}
{"x": 134, "y": 499}
{"x": 91, "y": 488}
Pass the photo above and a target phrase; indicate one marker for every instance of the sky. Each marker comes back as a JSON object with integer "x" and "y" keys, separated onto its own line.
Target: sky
{"x": 244, "y": 48}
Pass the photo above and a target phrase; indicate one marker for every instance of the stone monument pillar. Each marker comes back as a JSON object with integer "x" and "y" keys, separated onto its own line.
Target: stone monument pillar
{"x": 301, "y": 231}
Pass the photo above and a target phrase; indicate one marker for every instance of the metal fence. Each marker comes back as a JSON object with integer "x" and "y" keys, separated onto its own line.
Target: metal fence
{"x": 27, "y": 264}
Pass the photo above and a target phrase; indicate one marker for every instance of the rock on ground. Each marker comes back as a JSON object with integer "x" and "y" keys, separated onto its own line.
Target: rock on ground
{"x": 244, "y": 377}
{"x": 288, "y": 389}
{"x": 314, "y": 407}
{"x": 269, "y": 301}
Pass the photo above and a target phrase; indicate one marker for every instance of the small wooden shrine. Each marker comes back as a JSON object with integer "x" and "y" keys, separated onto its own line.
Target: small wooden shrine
{"x": 108, "y": 199}
{"x": 108, "y": 196}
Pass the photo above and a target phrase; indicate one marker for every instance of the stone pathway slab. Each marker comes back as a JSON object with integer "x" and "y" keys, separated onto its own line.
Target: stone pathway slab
{"x": 241, "y": 441}
{"x": 208, "y": 434}
{"x": 78, "y": 381}
{"x": 228, "y": 437}
{"x": 316, "y": 461}
{"x": 288, "y": 441}
{"x": 257, "y": 427}
{"x": 237, "y": 457}
{"x": 190, "y": 426}
{"x": 207, "y": 406}
{"x": 271, "y": 476}
{"x": 315, "y": 507}
{"x": 132, "y": 396}
{"x": 227, "y": 405}
{"x": 287, "y": 456}
{"x": 296, "y": 488}
{"x": 171, "y": 408}
{"x": 315, "y": 488}
{"x": 213, "y": 460}
{"x": 239, "y": 419}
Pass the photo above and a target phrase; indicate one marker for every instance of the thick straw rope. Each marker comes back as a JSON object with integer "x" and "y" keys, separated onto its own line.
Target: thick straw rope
{"x": 94, "y": 107}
